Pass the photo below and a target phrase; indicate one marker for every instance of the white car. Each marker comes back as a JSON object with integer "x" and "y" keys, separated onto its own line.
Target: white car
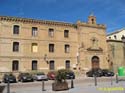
{"x": 40, "y": 76}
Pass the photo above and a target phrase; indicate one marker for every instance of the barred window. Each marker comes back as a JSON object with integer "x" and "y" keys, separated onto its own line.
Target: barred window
{"x": 34, "y": 31}
{"x": 15, "y": 65}
{"x": 51, "y": 65}
{"x": 16, "y": 29}
{"x": 67, "y": 48}
{"x": 67, "y": 63}
{"x": 51, "y": 47}
{"x": 34, "y": 65}
{"x": 66, "y": 33}
{"x": 51, "y": 32}
{"x": 15, "y": 46}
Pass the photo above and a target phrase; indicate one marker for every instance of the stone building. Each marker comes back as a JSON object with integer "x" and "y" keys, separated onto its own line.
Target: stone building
{"x": 116, "y": 35}
{"x": 116, "y": 48}
{"x": 116, "y": 54}
{"x": 29, "y": 44}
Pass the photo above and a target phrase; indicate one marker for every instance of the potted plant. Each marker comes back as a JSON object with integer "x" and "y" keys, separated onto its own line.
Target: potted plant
{"x": 1, "y": 89}
{"x": 60, "y": 81}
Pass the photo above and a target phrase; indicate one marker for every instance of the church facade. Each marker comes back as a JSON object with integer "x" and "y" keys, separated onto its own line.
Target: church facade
{"x": 30, "y": 45}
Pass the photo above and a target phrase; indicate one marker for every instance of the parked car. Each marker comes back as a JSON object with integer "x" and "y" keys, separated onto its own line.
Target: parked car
{"x": 95, "y": 72}
{"x": 51, "y": 75}
{"x": 10, "y": 77}
{"x": 40, "y": 76}
{"x": 70, "y": 75}
{"x": 107, "y": 73}
{"x": 25, "y": 77}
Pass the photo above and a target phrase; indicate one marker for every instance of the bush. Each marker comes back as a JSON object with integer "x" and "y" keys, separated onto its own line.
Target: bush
{"x": 60, "y": 81}
{"x": 61, "y": 75}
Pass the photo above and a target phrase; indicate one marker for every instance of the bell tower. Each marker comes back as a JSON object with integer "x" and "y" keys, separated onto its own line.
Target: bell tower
{"x": 92, "y": 19}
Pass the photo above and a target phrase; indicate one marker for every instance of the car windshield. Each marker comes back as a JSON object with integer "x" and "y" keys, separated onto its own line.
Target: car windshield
{"x": 105, "y": 70}
{"x": 40, "y": 74}
{"x": 25, "y": 74}
{"x": 8, "y": 74}
{"x": 71, "y": 73}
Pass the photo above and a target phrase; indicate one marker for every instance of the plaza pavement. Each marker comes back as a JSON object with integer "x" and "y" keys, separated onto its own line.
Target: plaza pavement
{"x": 104, "y": 85}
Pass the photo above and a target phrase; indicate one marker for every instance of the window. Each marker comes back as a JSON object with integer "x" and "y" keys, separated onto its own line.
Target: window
{"x": 67, "y": 48}
{"x": 34, "y": 47}
{"x": 34, "y": 31}
{"x": 51, "y": 65}
{"x": 15, "y": 29}
{"x": 51, "y": 32}
{"x": 109, "y": 37}
{"x": 15, "y": 65}
{"x": 66, "y": 33}
{"x": 51, "y": 47}
{"x": 115, "y": 37}
{"x": 67, "y": 64}
{"x": 15, "y": 46}
{"x": 34, "y": 65}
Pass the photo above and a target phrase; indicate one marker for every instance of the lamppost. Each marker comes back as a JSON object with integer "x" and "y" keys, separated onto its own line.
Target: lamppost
{"x": 123, "y": 40}
{"x": 78, "y": 56}
{"x": 8, "y": 85}
{"x": 45, "y": 58}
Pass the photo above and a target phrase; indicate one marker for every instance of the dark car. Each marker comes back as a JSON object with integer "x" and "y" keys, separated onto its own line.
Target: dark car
{"x": 25, "y": 77}
{"x": 10, "y": 77}
{"x": 107, "y": 73}
{"x": 70, "y": 75}
{"x": 51, "y": 75}
{"x": 95, "y": 72}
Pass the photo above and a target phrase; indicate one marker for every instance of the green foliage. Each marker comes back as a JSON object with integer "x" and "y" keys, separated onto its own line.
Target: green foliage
{"x": 61, "y": 75}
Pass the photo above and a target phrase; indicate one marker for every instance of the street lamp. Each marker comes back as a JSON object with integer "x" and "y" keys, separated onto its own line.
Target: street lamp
{"x": 8, "y": 85}
{"x": 78, "y": 58}
{"x": 45, "y": 58}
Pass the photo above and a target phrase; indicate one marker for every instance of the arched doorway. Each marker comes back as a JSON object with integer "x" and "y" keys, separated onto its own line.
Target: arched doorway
{"x": 95, "y": 62}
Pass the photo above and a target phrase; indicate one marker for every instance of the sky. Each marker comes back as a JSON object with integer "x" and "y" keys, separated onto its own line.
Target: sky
{"x": 108, "y": 12}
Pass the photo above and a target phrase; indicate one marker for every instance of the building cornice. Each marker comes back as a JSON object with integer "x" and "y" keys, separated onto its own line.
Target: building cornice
{"x": 28, "y": 20}
{"x": 110, "y": 40}
{"x": 47, "y": 22}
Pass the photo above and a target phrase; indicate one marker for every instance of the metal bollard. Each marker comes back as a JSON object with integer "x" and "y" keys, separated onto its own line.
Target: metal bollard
{"x": 116, "y": 78}
{"x": 72, "y": 83}
{"x": 111, "y": 80}
{"x": 95, "y": 79}
{"x": 8, "y": 86}
{"x": 43, "y": 86}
